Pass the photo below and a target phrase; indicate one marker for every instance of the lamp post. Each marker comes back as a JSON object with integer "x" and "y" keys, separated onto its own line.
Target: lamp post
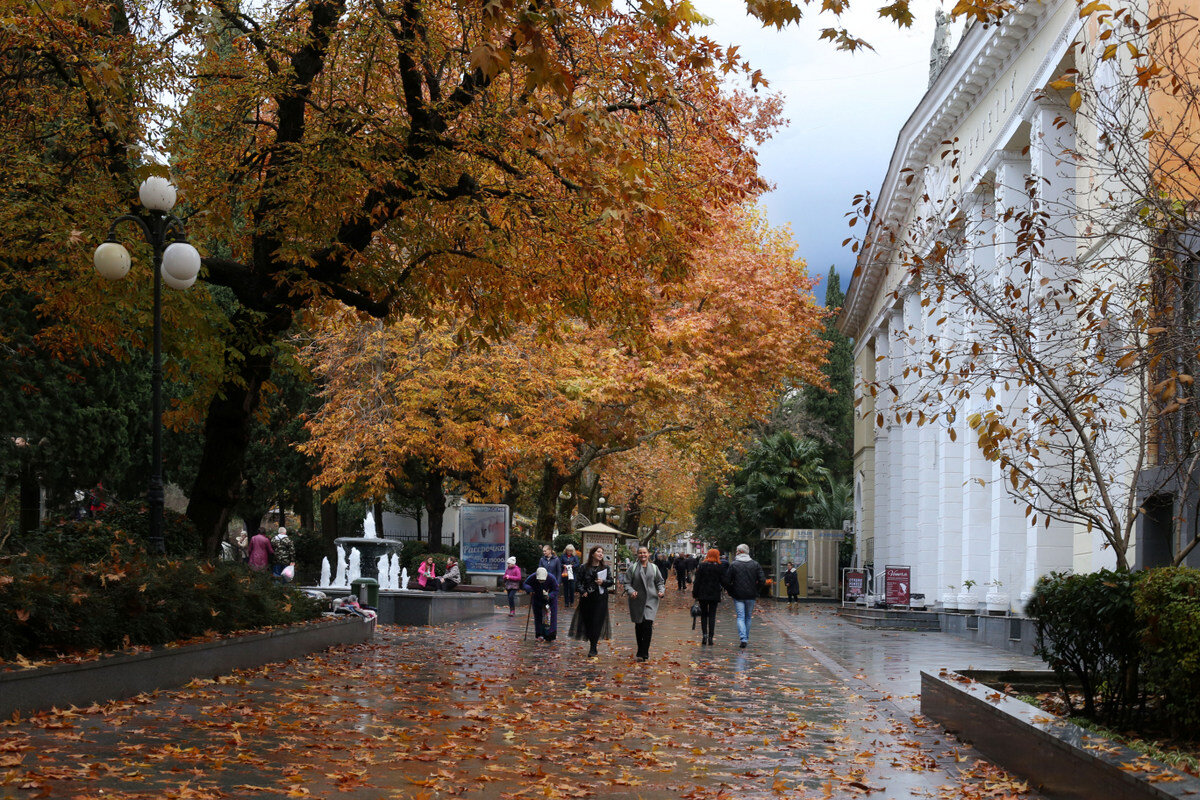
{"x": 176, "y": 263}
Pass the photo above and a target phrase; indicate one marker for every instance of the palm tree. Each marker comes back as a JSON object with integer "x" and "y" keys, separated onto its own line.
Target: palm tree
{"x": 831, "y": 505}
{"x": 778, "y": 478}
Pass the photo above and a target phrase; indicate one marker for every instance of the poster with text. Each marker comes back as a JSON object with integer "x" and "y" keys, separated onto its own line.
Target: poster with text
{"x": 896, "y": 585}
{"x": 483, "y": 538}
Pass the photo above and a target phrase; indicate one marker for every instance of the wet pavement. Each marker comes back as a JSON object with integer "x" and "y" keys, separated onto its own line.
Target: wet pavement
{"x": 813, "y": 708}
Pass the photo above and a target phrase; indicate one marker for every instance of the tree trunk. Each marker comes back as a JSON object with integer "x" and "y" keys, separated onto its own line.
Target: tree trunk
{"x": 29, "y": 499}
{"x": 304, "y": 507}
{"x": 547, "y": 501}
{"x": 218, "y": 483}
{"x": 329, "y": 519}
{"x": 282, "y": 512}
{"x": 377, "y": 515}
{"x": 566, "y": 508}
{"x": 435, "y": 506}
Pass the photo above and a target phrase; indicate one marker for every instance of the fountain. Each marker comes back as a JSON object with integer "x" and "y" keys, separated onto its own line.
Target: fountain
{"x": 364, "y": 554}
{"x": 326, "y": 580}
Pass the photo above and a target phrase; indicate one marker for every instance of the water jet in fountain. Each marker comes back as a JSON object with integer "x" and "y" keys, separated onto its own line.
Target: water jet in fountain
{"x": 369, "y": 550}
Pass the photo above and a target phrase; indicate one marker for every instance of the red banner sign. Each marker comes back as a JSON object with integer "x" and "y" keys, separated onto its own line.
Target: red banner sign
{"x": 856, "y": 584}
{"x": 897, "y": 585}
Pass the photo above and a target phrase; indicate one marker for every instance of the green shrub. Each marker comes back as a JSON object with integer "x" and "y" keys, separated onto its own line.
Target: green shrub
{"x": 527, "y": 550}
{"x": 179, "y": 534}
{"x": 52, "y": 605}
{"x": 1087, "y": 629}
{"x": 1168, "y": 610}
{"x": 563, "y": 539}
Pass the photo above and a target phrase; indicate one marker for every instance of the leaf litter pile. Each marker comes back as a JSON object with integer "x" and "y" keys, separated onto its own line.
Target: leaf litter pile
{"x": 474, "y": 711}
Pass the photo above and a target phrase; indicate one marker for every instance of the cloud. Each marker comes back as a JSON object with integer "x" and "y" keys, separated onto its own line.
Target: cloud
{"x": 845, "y": 111}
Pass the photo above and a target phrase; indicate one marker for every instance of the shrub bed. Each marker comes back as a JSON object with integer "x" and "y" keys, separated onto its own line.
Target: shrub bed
{"x": 84, "y": 586}
{"x": 1168, "y": 608}
{"x": 1087, "y": 629}
{"x": 1130, "y": 641}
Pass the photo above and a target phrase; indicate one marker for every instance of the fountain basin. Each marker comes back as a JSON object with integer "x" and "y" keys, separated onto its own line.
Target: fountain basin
{"x": 416, "y": 607}
{"x": 370, "y": 548}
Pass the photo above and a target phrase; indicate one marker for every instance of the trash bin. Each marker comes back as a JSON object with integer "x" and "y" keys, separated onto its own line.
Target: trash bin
{"x": 366, "y": 590}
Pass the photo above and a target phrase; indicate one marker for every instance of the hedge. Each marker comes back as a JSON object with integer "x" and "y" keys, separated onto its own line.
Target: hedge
{"x": 85, "y": 586}
{"x": 1168, "y": 609}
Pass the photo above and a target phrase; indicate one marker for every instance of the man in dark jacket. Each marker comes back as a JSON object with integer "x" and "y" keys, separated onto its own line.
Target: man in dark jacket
{"x": 743, "y": 579}
{"x": 681, "y": 572}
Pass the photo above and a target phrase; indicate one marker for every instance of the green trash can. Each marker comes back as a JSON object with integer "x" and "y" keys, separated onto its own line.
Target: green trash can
{"x": 366, "y": 590}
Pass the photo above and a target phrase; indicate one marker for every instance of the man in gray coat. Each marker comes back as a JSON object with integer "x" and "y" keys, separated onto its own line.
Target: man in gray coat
{"x": 644, "y": 585}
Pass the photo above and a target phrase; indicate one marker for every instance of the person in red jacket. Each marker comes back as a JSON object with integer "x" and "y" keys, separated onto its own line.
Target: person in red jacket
{"x": 260, "y": 551}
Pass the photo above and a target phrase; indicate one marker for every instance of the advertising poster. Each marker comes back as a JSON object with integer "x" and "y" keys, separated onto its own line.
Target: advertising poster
{"x": 483, "y": 538}
{"x": 856, "y": 584}
{"x": 896, "y": 585}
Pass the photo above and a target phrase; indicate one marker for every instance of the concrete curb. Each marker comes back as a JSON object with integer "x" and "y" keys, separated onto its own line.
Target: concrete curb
{"x": 1059, "y": 759}
{"x": 121, "y": 676}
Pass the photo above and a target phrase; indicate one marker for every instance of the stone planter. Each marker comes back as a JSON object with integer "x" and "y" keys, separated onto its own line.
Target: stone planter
{"x": 996, "y": 602}
{"x": 949, "y": 601}
{"x": 120, "y": 676}
{"x": 968, "y": 602}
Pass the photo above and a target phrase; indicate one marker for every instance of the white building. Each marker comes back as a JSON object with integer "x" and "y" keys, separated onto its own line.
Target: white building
{"x": 998, "y": 131}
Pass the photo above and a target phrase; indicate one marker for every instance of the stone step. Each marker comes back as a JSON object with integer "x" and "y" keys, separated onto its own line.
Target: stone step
{"x": 896, "y": 619}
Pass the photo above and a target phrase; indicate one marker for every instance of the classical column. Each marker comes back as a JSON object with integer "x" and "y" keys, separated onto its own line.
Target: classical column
{"x": 926, "y": 576}
{"x": 1052, "y": 140}
{"x": 976, "y": 470}
{"x": 898, "y": 450}
{"x": 881, "y": 519}
{"x": 1007, "y": 546}
{"x": 949, "y": 459}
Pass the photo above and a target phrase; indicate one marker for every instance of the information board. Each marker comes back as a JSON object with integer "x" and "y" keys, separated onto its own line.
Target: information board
{"x": 896, "y": 585}
{"x": 483, "y": 538}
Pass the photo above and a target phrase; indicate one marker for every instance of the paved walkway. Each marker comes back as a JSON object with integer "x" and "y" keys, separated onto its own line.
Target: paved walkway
{"x": 813, "y": 708}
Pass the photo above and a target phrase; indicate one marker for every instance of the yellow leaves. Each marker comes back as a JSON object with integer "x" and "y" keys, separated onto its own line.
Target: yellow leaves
{"x": 1127, "y": 360}
{"x": 1075, "y": 101}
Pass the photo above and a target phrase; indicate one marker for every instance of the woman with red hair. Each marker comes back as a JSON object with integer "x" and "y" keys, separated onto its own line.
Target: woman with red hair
{"x": 706, "y": 590}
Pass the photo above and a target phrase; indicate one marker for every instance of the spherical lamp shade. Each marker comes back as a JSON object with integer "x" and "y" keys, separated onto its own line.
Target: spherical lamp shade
{"x": 157, "y": 194}
{"x": 174, "y": 282}
{"x": 181, "y": 261}
{"x": 111, "y": 261}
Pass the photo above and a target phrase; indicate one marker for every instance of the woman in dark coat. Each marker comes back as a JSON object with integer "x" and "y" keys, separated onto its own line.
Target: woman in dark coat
{"x": 591, "y": 615}
{"x": 791, "y": 579}
{"x": 706, "y": 590}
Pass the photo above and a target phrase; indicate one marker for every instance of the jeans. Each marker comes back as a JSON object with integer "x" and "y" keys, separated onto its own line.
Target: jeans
{"x": 745, "y": 608}
{"x": 512, "y": 600}
{"x": 568, "y": 592}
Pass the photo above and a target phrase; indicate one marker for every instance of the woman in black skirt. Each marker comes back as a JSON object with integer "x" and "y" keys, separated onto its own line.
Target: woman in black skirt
{"x": 590, "y": 620}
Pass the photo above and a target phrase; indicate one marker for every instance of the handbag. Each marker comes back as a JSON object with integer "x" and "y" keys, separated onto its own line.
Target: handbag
{"x": 695, "y": 610}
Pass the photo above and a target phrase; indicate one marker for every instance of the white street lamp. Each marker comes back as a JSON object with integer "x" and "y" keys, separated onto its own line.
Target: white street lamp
{"x": 176, "y": 264}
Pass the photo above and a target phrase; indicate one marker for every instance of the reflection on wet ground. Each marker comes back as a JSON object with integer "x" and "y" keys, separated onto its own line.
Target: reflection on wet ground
{"x": 474, "y": 710}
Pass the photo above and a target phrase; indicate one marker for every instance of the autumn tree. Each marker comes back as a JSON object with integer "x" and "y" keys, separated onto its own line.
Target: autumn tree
{"x": 1057, "y": 326}
{"x": 389, "y": 155}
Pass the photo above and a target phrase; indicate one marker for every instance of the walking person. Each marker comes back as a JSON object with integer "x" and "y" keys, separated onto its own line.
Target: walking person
{"x": 543, "y": 595}
{"x": 570, "y": 572}
{"x": 791, "y": 579}
{"x": 681, "y": 572}
{"x": 591, "y": 616}
{"x": 644, "y": 585}
{"x": 260, "y": 551}
{"x": 283, "y": 560}
{"x": 742, "y": 580}
{"x": 706, "y": 590}
{"x": 512, "y": 583}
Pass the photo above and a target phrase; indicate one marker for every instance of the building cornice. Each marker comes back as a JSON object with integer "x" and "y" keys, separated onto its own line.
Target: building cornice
{"x": 974, "y": 69}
